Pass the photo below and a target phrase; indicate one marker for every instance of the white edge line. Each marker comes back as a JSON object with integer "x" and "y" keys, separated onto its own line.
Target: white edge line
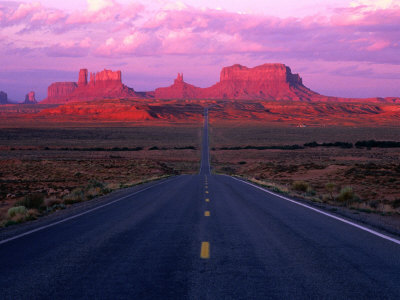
{"x": 324, "y": 213}
{"x": 80, "y": 214}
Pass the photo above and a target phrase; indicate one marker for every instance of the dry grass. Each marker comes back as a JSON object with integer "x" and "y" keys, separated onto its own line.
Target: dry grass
{"x": 324, "y": 174}
{"x": 47, "y": 180}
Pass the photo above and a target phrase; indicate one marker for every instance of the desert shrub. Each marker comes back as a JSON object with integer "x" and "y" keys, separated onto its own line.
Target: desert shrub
{"x": 301, "y": 186}
{"x": 127, "y": 149}
{"x": 185, "y": 148}
{"x": 343, "y": 145}
{"x": 34, "y": 200}
{"x": 93, "y": 192}
{"x": 17, "y": 210}
{"x": 242, "y": 162}
{"x": 76, "y": 195}
{"x": 32, "y": 214}
{"x": 330, "y": 187}
{"x": 311, "y": 191}
{"x": 93, "y": 183}
{"x": 374, "y": 204}
{"x": 93, "y": 189}
{"x": 284, "y": 147}
{"x": 311, "y": 145}
{"x": 396, "y": 203}
{"x": 48, "y": 202}
{"x": 378, "y": 144}
{"x": 346, "y": 195}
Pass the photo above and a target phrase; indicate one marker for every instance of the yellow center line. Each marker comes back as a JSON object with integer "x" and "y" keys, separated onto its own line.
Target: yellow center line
{"x": 207, "y": 200}
{"x": 205, "y": 250}
{"x": 206, "y": 192}
{"x": 207, "y": 213}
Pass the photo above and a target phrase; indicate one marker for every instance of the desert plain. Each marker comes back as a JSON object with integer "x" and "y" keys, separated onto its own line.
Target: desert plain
{"x": 89, "y": 138}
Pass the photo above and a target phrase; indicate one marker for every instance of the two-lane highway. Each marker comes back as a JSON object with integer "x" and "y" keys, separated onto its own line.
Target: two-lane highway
{"x": 201, "y": 237}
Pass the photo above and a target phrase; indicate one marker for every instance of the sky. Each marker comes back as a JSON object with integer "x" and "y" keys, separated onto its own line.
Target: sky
{"x": 346, "y": 48}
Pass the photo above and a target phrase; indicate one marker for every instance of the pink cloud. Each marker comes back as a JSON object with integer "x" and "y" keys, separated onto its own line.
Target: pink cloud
{"x": 101, "y": 11}
{"x": 126, "y": 31}
{"x": 131, "y": 44}
{"x": 23, "y": 10}
{"x": 378, "y": 45}
{"x": 48, "y": 17}
{"x": 69, "y": 49}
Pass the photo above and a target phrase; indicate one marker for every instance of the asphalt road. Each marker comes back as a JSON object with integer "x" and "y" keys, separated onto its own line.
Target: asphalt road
{"x": 200, "y": 237}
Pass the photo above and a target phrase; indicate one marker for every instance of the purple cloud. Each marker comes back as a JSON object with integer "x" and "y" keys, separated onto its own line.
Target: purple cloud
{"x": 200, "y": 38}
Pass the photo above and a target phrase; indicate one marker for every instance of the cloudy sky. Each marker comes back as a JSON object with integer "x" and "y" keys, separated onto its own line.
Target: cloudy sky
{"x": 340, "y": 47}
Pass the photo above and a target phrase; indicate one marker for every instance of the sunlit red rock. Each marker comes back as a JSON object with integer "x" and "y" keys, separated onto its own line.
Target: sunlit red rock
{"x": 179, "y": 90}
{"x": 106, "y": 84}
{"x": 268, "y": 82}
{"x": 123, "y": 110}
{"x": 30, "y": 98}
{"x": 83, "y": 77}
{"x": 59, "y": 92}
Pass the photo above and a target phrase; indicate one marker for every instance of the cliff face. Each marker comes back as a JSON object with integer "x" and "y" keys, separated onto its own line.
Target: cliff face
{"x": 179, "y": 90}
{"x": 103, "y": 85}
{"x": 3, "y": 98}
{"x": 30, "y": 98}
{"x": 59, "y": 92}
{"x": 268, "y": 82}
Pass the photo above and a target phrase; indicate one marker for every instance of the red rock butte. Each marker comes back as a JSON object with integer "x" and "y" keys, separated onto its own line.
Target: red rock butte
{"x": 267, "y": 82}
{"x": 30, "y": 98}
{"x": 270, "y": 82}
{"x": 103, "y": 85}
{"x": 3, "y": 98}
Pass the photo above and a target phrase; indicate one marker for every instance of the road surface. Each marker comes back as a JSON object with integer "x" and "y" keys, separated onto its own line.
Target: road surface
{"x": 200, "y": 237}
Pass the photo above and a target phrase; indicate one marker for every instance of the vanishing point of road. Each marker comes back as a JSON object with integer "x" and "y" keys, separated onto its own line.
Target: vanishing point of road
{"x": 200, "y": 236}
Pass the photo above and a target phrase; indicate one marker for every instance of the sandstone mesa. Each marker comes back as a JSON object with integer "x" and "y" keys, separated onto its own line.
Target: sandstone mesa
{"x": 269, "y": 93}
{"x": 103, "y": 85}
{"x": 271, "y": 82}
{"x": 3, "y": 98}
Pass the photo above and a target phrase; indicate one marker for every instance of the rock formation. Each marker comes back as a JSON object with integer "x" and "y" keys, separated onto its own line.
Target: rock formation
{"x": 3, "y": 98}
{"x": 268, "y": 82}
{"x": 103, "y": 85}
{"x": 83, "y": 77}
{"x": 59, "y": 92}
{"x": 179, "y": 90}
{"x": 30, "y": 98}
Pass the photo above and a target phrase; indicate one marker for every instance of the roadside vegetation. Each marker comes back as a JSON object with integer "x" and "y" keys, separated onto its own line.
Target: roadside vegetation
{"x": 344, "y": 145}
{"x": 36, "y": 205}
{"x": 45, "y": 170}
{"x": 362, "y": 175}
{"x": 334, "y": 195}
